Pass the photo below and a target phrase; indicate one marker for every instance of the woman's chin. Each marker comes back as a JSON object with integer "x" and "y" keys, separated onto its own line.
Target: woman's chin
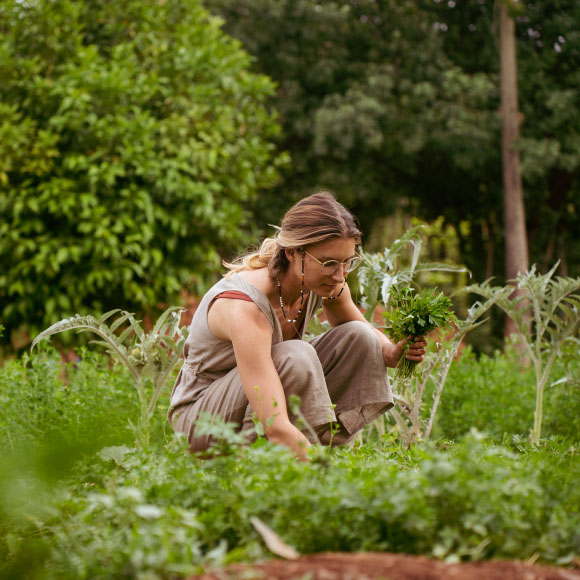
{"x": 328, "y": 290}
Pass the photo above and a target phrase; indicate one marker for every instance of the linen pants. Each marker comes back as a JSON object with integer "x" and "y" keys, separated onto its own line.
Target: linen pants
{"x": 340, "y": 377}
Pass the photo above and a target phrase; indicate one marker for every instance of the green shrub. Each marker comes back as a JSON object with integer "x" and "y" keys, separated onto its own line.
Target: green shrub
{"x": 546, "y": 313}
{"x": 131, "y": 136}
{"x": 137, "y": 513}
{"x": 562, "y": 399}
{"x": 496, "y": 395}
{"x": 150, "y": 357}
{"x": 492, "y": 394}
{"x": 70, "y": 509}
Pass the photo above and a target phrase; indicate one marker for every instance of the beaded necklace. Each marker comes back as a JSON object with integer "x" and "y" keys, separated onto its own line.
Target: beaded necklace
{"x": 292, "y": 321}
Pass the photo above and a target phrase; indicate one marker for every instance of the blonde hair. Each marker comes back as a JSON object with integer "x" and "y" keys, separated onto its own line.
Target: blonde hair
{"x": 312, "y": 220}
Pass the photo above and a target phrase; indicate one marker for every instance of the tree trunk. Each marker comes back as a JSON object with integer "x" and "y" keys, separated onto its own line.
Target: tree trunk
{"x": 516, "y": 243}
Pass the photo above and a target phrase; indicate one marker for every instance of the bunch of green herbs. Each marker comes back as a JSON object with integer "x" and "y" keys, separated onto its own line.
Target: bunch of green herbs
{"x": 415, "y": 314}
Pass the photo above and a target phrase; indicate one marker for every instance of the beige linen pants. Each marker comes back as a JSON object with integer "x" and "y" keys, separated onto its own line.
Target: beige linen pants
{"x": 340, "y": 377}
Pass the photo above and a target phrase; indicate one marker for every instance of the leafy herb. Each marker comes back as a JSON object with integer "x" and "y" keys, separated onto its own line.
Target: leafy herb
{"x": 415, "y": 314}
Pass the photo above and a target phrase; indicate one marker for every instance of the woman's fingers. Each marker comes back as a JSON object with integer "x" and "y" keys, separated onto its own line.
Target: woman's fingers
{"x": 417, "y": 348}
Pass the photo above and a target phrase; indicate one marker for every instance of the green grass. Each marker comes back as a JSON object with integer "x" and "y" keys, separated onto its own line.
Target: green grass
{"x": 69, "y": 509}
{"x": 91, "y": 403}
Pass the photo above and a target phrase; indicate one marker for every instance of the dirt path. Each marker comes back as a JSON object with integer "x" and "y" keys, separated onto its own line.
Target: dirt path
{"x": 375, "y": 566}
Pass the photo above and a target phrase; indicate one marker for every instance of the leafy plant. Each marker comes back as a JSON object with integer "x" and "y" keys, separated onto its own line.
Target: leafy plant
{"x": 132, "y": 137}
{"x": 379, "y": 277}
{"x": 153, "y": 513}
{"x": 150, "y": 357}
{"x": 546, "y": 315}
{"x": 415, "y": 314}
{"x": 431, "y": 375}
{"x": 496, "y": 395}
{"x": 47, "y": 403}
{"x": 379, "y": 272}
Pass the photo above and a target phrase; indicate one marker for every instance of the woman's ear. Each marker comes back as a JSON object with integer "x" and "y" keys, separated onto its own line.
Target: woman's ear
{"x": 290, "y": 254}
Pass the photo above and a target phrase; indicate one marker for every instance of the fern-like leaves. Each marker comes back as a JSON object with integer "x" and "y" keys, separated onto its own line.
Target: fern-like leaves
{"x": 149, "y": 357}
{"x": 546, "y": 313}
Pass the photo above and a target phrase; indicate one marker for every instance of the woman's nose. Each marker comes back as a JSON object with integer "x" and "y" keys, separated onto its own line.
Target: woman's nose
{"x": 340, "y": 273}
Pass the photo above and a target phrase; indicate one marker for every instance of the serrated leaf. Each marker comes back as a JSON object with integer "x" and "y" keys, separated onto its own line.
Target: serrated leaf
{"x": 77, "y": 322}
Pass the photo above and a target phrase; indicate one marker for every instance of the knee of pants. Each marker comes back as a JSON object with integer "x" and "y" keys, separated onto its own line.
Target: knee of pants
{"x": 297, "y": 362}
{"x": 360, "y": 333}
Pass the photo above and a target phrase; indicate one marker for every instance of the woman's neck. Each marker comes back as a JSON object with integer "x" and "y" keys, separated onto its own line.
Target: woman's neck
{"x": 291, "y": 287}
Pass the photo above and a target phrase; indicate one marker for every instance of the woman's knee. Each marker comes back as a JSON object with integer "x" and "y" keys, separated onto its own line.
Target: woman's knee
{"x": 296, "y": 360}
{"x": 357, "y": 341}
{"x": 359, "y": 332}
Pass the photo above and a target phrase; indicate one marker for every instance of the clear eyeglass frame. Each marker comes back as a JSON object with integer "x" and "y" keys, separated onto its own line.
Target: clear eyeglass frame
{"x": 331, "y": 266}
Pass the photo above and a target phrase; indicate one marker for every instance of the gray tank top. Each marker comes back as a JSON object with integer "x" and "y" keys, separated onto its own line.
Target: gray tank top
{"x": 207, "y": 357}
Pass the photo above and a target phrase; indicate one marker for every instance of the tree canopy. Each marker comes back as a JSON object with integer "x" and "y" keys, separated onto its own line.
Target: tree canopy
{"x": 392, "y": 102}
{"x": 138, "y": 139}
{"x": 132, "y": 134}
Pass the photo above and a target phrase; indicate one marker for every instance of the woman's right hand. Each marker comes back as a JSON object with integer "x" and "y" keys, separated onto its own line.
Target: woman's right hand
{"x": 284, "y": 433}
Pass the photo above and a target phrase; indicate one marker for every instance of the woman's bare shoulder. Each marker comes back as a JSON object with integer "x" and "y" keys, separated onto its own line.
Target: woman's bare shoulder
{"x": 259, "y": 278}
{"x": 228, "y": 314}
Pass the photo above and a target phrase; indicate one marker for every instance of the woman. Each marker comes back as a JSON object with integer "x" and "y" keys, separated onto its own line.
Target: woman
{"x": 244, "y": 355}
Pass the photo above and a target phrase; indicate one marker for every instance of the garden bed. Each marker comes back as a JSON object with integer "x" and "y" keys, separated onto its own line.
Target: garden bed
{"x": 363, "y": 566}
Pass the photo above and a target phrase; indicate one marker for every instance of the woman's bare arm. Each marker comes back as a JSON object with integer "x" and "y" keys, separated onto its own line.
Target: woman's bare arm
{"x": 246, "y": 326}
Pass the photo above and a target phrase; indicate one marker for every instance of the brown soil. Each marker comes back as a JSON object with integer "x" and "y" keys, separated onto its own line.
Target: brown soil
{"x": 374, "y": 566}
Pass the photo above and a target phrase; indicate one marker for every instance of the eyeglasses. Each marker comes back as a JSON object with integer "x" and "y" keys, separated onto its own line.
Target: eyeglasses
{"x": 331, "y": 266}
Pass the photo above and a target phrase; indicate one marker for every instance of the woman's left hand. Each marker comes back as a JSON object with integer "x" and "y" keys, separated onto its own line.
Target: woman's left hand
{"x": 416, "y": 351}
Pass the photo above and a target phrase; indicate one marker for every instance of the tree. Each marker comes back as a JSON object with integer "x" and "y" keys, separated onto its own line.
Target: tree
{"x": 397, "y": 102}
{"x": 371, "y": 106}
{"x": 548, "y": 48}
{"x": 132, "y": 135}
{"x": 548, "y": 63}
{"x": 516, "y": 240}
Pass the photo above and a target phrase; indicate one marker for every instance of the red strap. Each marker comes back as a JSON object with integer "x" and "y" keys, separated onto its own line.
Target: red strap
{"x": 234, "y": 294}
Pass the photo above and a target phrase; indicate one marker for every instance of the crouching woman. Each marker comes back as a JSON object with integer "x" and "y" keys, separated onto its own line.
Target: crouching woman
{"x": 245, "y": 355}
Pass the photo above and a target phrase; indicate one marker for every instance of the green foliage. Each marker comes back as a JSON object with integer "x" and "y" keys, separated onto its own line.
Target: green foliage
{"x": 367, "y": 113}
{"x": 411, "y": 421}
{"x": 150, "y": 357}
{"x": 440, "y": 243}
{"x": 395, "y": 266}
{"x": 382, "y": 275}
{"x": 131, "y": 136}
{"x": 388, "y": 125}
{"x": 158, "y": 512}
{"x": 490, "y": 393}
{"x": 548, "y": 51}
{"x": 546, "y": 313}
{"x": 569, "y": 359}
{"x": 139, "y": 513}
{"x": 416, "y": 314}
{"x": 46, "y": 402}
{"x": 496, "y": 396}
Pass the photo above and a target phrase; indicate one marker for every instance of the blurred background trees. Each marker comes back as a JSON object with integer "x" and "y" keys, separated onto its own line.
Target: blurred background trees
{"x": 131, "y": 136}
{"x": 373, "y": 107}
{"x": 397, "y": 104}
{"x": 139, "y": 142}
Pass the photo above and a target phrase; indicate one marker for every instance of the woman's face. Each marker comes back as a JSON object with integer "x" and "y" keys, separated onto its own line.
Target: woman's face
{"x": 324, "y": 283}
